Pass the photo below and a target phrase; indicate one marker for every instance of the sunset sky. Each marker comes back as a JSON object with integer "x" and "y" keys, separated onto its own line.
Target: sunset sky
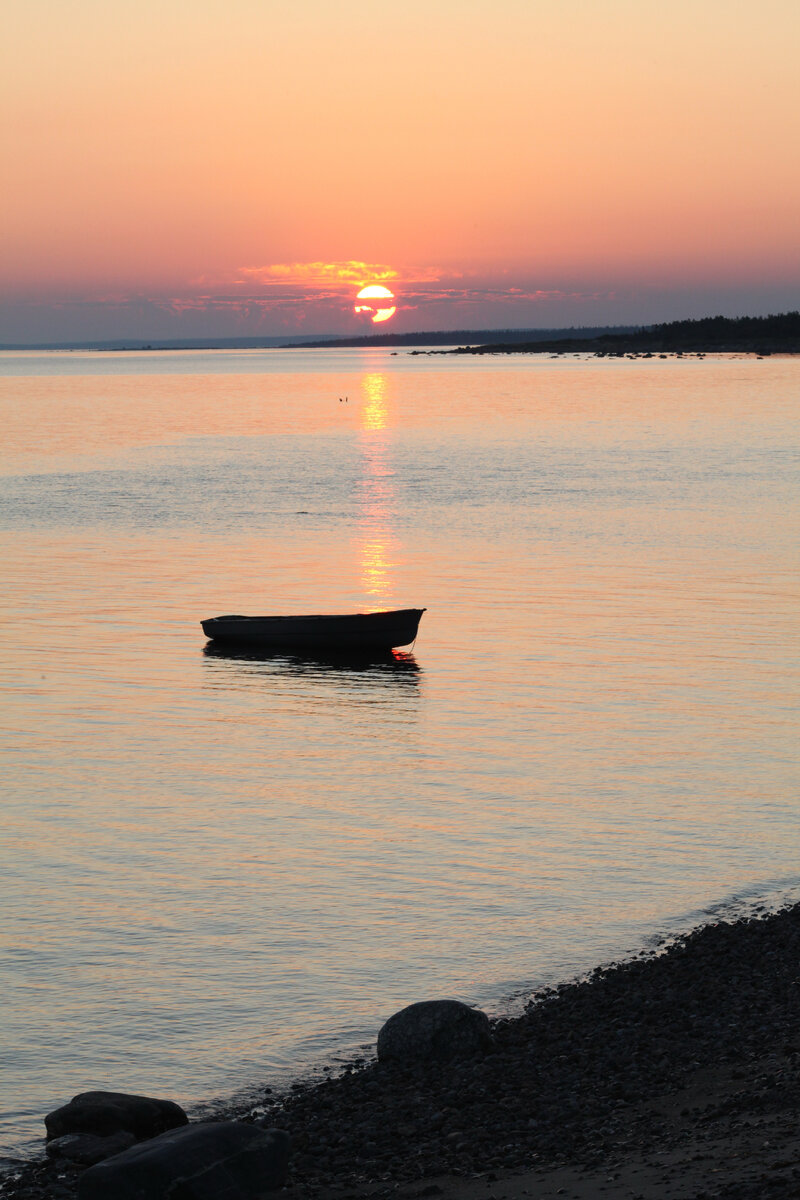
{"x": 243, "y": 167}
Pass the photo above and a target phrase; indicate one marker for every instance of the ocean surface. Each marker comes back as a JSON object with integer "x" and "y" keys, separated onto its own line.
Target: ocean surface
{"x": 218, "y": 871}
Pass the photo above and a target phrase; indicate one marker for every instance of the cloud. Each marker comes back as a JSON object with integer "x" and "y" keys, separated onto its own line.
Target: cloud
{"x": 318, "y": 274}
{"x": 337, "y": 275}
{"x": 289, "y": 290}
{"x": 318, "y": 297}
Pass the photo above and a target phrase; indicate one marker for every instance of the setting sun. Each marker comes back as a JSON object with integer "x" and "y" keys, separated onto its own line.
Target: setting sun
{"x": 375, "y": 292}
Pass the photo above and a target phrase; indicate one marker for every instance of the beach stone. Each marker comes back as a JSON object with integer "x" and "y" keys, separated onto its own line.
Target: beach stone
{"x": 221, "y": 1160}
{"x": 88, "y": 1148}
{"x": 104, "y": 1113}
{"x": 435, "y": 1029}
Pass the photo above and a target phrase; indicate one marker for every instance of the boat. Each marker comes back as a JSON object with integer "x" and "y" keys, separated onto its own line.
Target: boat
{"x": 353, "y": 633}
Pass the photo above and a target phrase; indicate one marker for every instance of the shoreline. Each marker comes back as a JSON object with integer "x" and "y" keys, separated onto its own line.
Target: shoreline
{"x": 673, "y": 1074}
{"x": 628, "y": 348}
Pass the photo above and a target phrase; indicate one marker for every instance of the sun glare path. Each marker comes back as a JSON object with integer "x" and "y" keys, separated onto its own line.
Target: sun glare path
{"x": 376, "y": 565}
{"x": 377, "y": 543}
{"x": 375, "y": 412}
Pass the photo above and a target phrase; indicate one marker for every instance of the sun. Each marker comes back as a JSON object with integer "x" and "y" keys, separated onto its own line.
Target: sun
{"x": 372, "y": 294}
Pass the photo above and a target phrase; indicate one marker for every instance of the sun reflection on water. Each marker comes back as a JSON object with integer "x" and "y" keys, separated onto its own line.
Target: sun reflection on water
{"x": 375, "y": 566}
{"x": 375, "y": 412}
{"x": 377, "y": 543}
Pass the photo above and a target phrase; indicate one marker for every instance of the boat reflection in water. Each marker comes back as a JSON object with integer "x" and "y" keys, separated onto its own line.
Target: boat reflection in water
{"x": 389, "y": 668}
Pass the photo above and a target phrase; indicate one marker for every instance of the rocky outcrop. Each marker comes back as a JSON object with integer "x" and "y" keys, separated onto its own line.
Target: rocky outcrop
{"x": 434, "y": 1029}
{"x": 222, "y": 1160}
{"x": 105, "y": 1113}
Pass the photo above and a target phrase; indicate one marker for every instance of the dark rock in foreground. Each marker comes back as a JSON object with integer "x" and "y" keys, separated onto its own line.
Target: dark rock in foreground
{"x": 87, "y": 1148}
{"x": 223, "y": 1160}
{"x": 434, "y": 1029}
{"x": 104, "y": 1113}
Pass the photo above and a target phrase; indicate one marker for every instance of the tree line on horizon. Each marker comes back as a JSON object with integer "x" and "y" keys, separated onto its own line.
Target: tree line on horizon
{"x": 733, "y": 332}
{"x": 778, "y": 333}
{"x": 776, "y": 325}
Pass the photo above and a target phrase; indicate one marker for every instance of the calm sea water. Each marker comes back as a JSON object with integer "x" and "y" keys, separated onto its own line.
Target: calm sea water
{"x": 217, "y": 871}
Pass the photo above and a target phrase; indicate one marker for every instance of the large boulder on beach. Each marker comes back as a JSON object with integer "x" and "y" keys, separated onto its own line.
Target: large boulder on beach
{"x": 221, "y": 1160}
{"x": 87, "y": 1148}
{"x": 104, "y": 1113}
{"x": 434, "y": 1029}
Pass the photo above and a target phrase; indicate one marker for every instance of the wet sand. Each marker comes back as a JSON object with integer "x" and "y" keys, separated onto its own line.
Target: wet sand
{"x": 675, "y": 1075}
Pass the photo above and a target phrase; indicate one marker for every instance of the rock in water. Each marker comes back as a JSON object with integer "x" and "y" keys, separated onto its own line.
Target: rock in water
{"x": 223, "y": 1160}
{"x": 105, "y": 1113}
{"x": 438, "y": 1029}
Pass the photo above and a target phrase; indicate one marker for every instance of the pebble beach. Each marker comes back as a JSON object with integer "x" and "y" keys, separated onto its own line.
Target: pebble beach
{"x": 675, "y": 1074}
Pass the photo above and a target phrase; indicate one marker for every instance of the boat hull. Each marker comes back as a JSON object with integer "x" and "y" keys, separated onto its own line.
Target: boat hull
{"x": 356, "y": 633}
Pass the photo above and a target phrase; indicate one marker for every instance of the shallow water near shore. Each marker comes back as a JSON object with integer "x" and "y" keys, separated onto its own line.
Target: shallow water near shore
{"x": 219, "y": 869}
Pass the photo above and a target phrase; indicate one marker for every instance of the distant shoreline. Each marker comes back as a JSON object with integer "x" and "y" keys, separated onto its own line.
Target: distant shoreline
{"x": 762, "y": 336}
{"x": 604, "y": 348}
{"x": 447, "y": 337}
{"x": 775, "y": 334}
{"x": 674, "y": 1075}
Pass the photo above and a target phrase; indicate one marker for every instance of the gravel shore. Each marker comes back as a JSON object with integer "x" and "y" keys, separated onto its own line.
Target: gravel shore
{"x": 675, "y": 1075}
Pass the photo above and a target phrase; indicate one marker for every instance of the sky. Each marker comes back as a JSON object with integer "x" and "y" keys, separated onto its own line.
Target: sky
{"x": 193, "y": 168}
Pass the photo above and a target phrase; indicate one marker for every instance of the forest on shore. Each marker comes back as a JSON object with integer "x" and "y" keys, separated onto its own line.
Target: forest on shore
{"x": 775, "y": 334}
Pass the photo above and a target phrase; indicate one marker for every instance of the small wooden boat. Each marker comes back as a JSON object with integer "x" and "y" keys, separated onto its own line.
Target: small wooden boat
{"x": 356, "y": 633}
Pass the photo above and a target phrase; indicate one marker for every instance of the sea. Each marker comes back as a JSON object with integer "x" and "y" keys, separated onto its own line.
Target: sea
{"x": 221, "y": 873}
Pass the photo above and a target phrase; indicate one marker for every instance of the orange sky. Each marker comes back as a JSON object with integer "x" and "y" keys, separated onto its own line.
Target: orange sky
{"x": 606, "y": 158}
